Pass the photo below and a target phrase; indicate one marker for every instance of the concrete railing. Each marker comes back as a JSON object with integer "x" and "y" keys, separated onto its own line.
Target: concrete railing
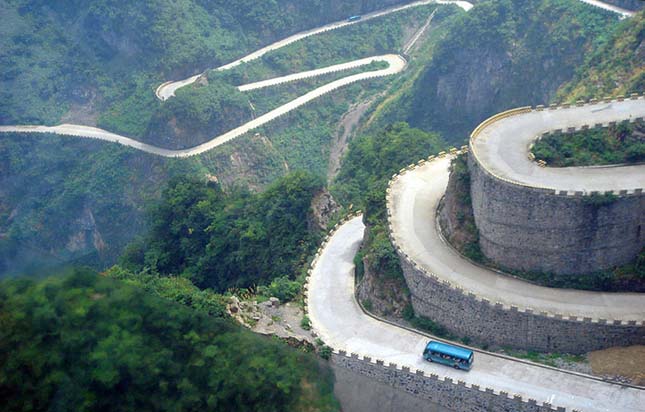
{"x": 527, "y": 109}
{"x": 442, "y": 390}
{"x": 459, "y": 288}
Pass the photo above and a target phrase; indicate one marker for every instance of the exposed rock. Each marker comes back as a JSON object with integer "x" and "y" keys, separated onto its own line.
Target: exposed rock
{"x": 202, "y": 80}
{"x": 234, "y": 305}
{"x": 323, "y": 207}
{"x": 455, "y": 211}
{"x": 86, "y": 235}
{"x": 464, "y": 85}
{"x": 282, "y": 321}
{"x": 382, "y": 295}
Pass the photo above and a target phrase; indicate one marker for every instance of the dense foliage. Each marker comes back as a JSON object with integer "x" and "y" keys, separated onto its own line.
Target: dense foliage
{"x": 613, "y": 69}
{"x": 369, "y": 164}
{"x": 499, "y": 55}
{"x": 214, "y": 105}
{"x": 624, "y": 143}
{"x": 53, "y": 54}
{"x": 220, "y": 240}
{"x": 87, "y": 343}
{"x": 89, "y": 67}
{"x": 372, "y": 158}
{"x": 174, "y": 288}
{"x": 65, "y": 200}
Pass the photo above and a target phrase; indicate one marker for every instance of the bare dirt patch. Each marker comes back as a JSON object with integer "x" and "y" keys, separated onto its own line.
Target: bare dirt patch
{"x": 346, "y": 128}
{"x": 620, "y": 364}
{"x": 82, "y": 113}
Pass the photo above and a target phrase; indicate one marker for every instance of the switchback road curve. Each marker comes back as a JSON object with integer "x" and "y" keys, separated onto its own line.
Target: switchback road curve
{"x": 166, "y": 90}
{"x": 502, "y": 148}
{"x": 339, "y": 321}
{"x": 396, "y": 64}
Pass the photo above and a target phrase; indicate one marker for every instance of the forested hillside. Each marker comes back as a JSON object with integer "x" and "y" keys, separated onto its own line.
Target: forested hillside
{"x": 66, "y": 200}
{"x": 615, "y": 68}
{"x": 500, "y": 55}
{"x": 75, "y": 58}
{"x": 222, "y": 240}
{"x": 86, "y": 343}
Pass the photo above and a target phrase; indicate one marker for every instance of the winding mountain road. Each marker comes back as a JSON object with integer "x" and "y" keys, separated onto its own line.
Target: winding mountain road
{"x": 166, "y": 90}
{"x": 507, "y": 157}
{"x": 610, "y": 7}
{"x": 412, "y": 203}
{"x": 338, "y": 320}
{"x": 396, "y": 64}
{"x": 334, "y": 313}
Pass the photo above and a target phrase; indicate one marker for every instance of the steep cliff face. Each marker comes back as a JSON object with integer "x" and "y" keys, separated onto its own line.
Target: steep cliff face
{"x": 500, "y": 55}
{"x": 56, "y": 210}
{"x": 456, "y": 212}
{"x": 380, "y": 292}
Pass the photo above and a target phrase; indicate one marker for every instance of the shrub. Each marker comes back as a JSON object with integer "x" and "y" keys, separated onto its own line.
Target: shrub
{"x": 325, "y": 352}
{"x": 305, "y": 323}
{"x": 408, "y": 312}
{"x": 282, "y": 288}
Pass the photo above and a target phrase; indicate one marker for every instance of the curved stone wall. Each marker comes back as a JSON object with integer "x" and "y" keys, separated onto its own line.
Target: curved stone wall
{"x": 465, "y": 314}
{"x": 469, "y": 315}
{"x": 536, "y": 230}
{"x": 442, "y": 392}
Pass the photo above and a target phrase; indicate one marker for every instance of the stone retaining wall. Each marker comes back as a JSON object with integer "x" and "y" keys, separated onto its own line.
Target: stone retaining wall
{"x": 534, "y": 230}
{"x": 457, "y": 396}
{"x": 538, "y": 230}
{"x": 465, "y": 314}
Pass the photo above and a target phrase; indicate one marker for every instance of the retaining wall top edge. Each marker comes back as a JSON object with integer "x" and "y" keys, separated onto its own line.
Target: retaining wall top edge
{"x": 528, "y": 109}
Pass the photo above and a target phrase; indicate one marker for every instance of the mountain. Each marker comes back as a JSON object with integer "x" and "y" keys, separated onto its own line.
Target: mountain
{"x": 502, "y": 54}
{"x": 614, "y": 68}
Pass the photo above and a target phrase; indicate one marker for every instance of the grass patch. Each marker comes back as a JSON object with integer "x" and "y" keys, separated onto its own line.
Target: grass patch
{"x": 550, "y": 359}
{"x": 622, "y": 143}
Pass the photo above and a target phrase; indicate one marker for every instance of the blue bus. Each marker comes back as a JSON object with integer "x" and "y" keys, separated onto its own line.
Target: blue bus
{"x": 450, "y": 355}
{"x": 354, "y": 18}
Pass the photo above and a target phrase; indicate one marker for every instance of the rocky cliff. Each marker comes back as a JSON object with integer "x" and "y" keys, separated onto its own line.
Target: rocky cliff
{"x": 503, "y": 54}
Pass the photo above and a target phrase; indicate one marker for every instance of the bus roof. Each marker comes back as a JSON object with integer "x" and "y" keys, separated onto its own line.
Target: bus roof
{"x": 454, "y": 351}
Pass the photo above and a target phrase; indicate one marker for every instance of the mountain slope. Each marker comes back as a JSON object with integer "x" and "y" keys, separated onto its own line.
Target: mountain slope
{"x": 86, "y": 343}
{"x": 501, "y": 54}
{"x": 615, "y": 68}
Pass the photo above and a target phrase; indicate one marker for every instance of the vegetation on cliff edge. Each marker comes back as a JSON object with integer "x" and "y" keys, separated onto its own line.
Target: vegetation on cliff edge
{"x": 86, "y": 343}
{"x": 623, "y": 143}
{"x": 220, "y": 240}
{"x": 367, "y": 167}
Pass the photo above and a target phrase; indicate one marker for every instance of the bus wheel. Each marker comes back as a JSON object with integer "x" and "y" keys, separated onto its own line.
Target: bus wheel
{"x": 455, "y": 366}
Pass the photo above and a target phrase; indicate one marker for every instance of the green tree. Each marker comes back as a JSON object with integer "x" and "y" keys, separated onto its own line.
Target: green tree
{"x": 87, "y": 343}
